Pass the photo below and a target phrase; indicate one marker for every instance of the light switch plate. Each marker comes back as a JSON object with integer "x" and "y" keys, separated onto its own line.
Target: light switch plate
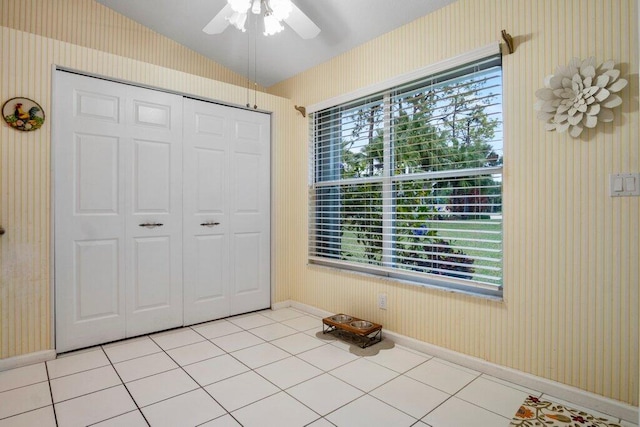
{"x": 624, "y": 184}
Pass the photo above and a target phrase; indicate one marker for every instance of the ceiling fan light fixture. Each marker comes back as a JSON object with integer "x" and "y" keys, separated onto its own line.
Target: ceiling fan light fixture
{"x": 273, "y": 12}
{"x": 238, "y": 20}
{"x": 239, "y": 6}
{"x": 255, "y": 8}
{"x": 271, "y": 24}
{"x": 281, "y": 8}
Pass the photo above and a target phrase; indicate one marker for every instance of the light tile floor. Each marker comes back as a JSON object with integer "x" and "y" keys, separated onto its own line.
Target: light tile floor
{"x": 261, "y": 369}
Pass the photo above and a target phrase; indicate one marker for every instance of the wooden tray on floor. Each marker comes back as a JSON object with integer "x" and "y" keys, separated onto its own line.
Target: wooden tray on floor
{"x": 353, "y": 325}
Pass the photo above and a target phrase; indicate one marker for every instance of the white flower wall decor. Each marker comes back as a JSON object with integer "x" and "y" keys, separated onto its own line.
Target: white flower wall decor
{"x": 579, "y": 95}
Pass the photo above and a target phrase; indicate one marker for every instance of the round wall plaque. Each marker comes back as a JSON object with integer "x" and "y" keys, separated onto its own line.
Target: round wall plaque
{"x": 23, "y": 114}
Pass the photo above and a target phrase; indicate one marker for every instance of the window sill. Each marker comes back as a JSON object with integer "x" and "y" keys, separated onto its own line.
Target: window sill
{"x": 320, "y": 266}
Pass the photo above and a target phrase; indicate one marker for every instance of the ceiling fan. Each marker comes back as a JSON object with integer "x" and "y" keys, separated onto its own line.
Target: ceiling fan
{"x": 235, "y": 12}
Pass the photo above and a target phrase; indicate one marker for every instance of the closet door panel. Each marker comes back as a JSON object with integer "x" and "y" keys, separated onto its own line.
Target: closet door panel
{"x": 210, "y": 181}
{"x": 226, "y": 196}
{"x": 89, "y": 221}
{"x": 246, "y": 183}
{"x": 206, "y": 226}
{"x": 249, "y": 210}
{"x": 154, "y": 223}
{"x": 96, "y": 174}
{"x": 152, "y": 177}
{"x": 152, "y": 270}
{"x": 92, "y": 103}
{"x": 95, "y": 280}
{"x": 212, "y": 257}
{"x": 247, "y": 262}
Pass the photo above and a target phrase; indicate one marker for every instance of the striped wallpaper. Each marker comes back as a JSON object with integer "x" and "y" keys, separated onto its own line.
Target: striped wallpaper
{"x": 571, "y": 252}
{"x": 26, "y": 62}
{"x": 570, "y": 311}
{"x": 90, "y": 24}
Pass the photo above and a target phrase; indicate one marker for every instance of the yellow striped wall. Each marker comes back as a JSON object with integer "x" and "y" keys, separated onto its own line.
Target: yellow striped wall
{"x": 90, "y": 24}
{"x": 25, "y": 184}
{"x": 571, "y": 256}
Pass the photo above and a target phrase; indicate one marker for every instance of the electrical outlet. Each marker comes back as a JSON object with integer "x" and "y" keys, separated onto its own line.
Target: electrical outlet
{"x": 382, "y": 301}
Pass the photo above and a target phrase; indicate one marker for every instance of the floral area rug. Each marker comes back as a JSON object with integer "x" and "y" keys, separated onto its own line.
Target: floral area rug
{"x": 537, "y": 412}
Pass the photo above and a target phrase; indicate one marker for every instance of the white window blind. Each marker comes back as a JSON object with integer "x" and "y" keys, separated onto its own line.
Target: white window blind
{"x": 407, "y": 182}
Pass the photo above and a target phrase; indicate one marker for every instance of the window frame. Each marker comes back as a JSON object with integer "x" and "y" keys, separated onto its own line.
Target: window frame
{"x": 387, "y": 180}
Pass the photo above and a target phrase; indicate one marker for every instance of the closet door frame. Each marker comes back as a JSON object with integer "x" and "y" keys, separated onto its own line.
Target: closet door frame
{"x": 55, "y": 112}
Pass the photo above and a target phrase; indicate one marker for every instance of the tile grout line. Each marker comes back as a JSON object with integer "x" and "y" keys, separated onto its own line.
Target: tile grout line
{"x": 133, "y": 358}
{"x": 436, "y": 407}
{"x": 34, "y": 409}
{"x": 251, "y": 369}
{"x": 126, "y": 388}
{"x": 193, "y": 379}
{"x": 367, "y": 393}
{"x": 90, "y": 393}
{"x": 165, "y": 351}
{"x": 398, "y": 375}
{"x": 53, "y": 406}
{"x": 22, "y": 386}
{"x": 478, "y": 406}
{"x": 79, "y": 372}
{"x": 119, "y": 415}
{"x": 281, "y": 390}
{"x": 254, "y": 370}
{"x": 459, "y": 398}
{"x": 397, "y": 409}
{"x": 285, "y": 390}
{"x": 514, "y": 386}
{"x": 327, "y": 373}
{"x": 25, "y": 412}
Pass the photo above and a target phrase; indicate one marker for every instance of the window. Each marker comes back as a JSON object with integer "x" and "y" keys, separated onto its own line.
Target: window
{"x": 407, "y": 182}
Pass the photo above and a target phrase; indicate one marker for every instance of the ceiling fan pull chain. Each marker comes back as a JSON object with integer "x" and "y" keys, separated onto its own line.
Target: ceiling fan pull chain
{"x": 255, "y": 66}
{"x": 248, "y": 68}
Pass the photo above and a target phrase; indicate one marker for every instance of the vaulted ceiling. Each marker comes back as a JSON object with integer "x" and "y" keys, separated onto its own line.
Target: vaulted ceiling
{"x": 268, "y": 60}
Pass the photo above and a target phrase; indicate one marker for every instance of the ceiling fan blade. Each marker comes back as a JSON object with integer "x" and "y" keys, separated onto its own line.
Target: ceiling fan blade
{"x": 301, "y": 24}
{"x": 219, "y": 22}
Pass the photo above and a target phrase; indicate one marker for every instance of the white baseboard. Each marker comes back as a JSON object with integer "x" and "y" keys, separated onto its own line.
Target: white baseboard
{"x": 26, "y": 359}
{"x": 562, "y": 391}
{"x": 282, "y": 304}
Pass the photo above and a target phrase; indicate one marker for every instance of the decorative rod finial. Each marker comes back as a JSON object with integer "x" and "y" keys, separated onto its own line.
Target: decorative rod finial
{"x": 302, "y": 110}
{"x": 508, "y": 41}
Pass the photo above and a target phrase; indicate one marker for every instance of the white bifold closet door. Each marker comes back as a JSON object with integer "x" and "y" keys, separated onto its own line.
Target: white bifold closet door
{"x": 126, "y": 260}
{"x": 118, "y": 211}
{"x": 226, "y": 211}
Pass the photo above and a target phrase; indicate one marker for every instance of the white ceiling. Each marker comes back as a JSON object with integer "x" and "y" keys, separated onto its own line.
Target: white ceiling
{"x": 344, "y": 25}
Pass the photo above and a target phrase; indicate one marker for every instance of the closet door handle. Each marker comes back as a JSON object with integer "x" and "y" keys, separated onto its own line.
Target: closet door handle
{"x": 151, "y": 224}
{"x": 209, "y": 224}
{"x": 1, "y": 230}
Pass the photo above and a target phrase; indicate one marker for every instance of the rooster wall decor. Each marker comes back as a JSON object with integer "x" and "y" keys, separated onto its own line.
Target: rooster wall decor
{"x": 23, "y": 114}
